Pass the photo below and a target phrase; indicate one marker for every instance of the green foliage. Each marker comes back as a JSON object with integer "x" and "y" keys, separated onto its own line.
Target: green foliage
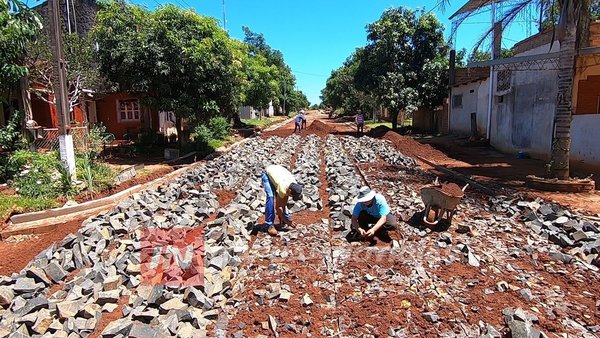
{"x": 595, "y": 10}
{"x": 10, "y": 135}
{"x": 18, "y": 26}
{"x": 182, "y": 60}
{"x": 282, "y": 77}
{"x": 97, "y": 176}
{"x": 37, "y": 174}
{"x": 212, "y": 135}
{"x": 96, "y": 139}
{"x": 220, "y": 127}
{"x": 265, "y": 121}
{"x": 202, "y": 136}
{"x": 19, "y": 204}
{"x": 403, "y": 63}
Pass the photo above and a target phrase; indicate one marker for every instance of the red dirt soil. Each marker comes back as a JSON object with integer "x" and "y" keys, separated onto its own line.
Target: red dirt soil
{"x": 15, "y": 256}
{"x": 452, "y": 189}
{"x": 224, "y": 196}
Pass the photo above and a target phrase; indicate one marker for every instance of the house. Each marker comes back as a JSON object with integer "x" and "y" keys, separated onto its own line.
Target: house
{"x": 469, "y": 101}
{"x": 248, "y": 112}
{"x": 524, "y": 99}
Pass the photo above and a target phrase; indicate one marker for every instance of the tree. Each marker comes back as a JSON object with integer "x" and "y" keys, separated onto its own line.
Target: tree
{"x": 572, "y": 24}
{"x": 403, "y": 64}
{"x": 180, "y": 60}
{"x": 18, "y": 26}
{"x": 81, "y": 69}
{"x": 341, "y": 92}
{"x": 258, "y": 46}
{"x": 297, "y": 100}
{"x": 262, "y": 86}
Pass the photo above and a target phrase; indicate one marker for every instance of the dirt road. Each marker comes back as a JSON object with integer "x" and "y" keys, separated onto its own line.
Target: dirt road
{"x": 506, "y": 265}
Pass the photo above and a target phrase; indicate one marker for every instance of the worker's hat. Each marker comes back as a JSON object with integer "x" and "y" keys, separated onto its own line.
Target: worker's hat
{"x": 364, "y": 194}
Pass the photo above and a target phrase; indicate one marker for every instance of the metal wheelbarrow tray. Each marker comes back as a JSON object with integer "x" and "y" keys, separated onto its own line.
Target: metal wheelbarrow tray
{"x": 441, "y": 202}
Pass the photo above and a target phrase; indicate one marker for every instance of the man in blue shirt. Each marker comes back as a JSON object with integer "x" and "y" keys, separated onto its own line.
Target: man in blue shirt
{"x": 371, "y": 213}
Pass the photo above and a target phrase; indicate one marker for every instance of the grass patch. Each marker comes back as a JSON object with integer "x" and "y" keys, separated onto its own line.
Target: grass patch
{"x": 18, "y": 204}
{"x": 216, "y": 144}
{"x": 265, "y": 121}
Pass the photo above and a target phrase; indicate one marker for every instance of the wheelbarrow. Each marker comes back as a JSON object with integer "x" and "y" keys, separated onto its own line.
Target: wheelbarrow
{"x": 442, "y": 202}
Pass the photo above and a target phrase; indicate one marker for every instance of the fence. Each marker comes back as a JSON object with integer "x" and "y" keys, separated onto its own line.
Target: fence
{"x": 47, "y": 138}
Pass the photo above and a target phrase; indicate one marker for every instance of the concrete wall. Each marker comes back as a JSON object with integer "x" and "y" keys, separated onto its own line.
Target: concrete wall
{"x": 522, "y": 119}
{"x": 584, "y": 141}
{"x": 474, "y": 100}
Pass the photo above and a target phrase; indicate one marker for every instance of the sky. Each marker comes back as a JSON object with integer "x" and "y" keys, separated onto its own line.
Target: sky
{"x": 316, "y": 36}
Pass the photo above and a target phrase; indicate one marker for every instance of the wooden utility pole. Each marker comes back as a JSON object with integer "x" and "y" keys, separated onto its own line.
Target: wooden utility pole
{"x": 67, "y": 154}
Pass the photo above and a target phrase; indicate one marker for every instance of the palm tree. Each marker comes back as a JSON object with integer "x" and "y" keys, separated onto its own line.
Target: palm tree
{"x": 571, "y": 31}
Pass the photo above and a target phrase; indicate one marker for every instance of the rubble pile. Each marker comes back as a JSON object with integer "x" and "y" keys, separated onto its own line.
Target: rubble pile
{"x": 231, "y": 169}
{"x": 306, "y": 171}
{"x": 561, "y": 227}
{"x": 344, "y": 183}
{"x": 360, "y": 149}
{"x": 105, "y": 257}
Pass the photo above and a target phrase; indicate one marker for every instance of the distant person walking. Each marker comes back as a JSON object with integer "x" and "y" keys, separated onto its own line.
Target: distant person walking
{"x": 360, "y": 123}
{"x": 279, "y": 185}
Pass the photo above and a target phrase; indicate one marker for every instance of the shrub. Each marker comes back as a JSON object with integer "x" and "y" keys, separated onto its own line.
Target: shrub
{"x": 97, "y": 176}
{"x": 202, "y": 136}
{"x": 10, "y": 135}
{"x": 220, "y": 127}
{"x": 96, "y": 139}
{"x": 36, "y": 174}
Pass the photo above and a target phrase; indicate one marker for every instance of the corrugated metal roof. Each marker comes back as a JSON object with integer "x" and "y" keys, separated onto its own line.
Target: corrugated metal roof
{"x": 473, "y": 5}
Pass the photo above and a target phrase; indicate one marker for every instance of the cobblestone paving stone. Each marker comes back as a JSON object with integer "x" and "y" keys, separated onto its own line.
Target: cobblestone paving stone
{"x": 505, "y": 265}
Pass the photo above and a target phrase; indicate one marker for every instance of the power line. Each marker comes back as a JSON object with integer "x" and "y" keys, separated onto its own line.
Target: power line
{"x": 310, "y": 74}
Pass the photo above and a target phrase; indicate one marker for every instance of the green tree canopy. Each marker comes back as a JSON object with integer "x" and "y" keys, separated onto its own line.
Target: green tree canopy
{"x": 286, "y": 81}
{"x": 18, "y": 26}
{"x": 183, "y": 61}
{"x": 340, "y": 91}
{"x": 404, "y": 64}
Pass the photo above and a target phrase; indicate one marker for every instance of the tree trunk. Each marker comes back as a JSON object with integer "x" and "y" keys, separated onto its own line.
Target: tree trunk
{"x": 561, "y": 143}
{"x": 394, "y": 119}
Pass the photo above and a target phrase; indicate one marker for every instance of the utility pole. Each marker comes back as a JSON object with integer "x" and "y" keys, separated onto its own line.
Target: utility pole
{"x": 224, "y": 19}
{"x": 67, "y": 154}
{"x": 284, "y": 99}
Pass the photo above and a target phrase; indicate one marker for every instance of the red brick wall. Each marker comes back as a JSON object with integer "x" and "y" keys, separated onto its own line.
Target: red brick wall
{"x": 588, "y": 92}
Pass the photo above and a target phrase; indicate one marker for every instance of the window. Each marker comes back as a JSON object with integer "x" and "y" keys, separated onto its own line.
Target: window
{"x": 129, "y": 110}
{"x": 457, "y": 101}
{"x": 472, "y": 91}
{"x": 501, "y": 99}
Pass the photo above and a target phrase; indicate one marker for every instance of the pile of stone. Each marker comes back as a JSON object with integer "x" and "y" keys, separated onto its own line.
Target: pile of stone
{"x": 231, "y": 169}
{"x": 106, "y": 250}
{"x": 564, "y": 229}
{"x": 520, "y": 324}
{"x": 361, "y": 149}
{"x": 306, "y": 171}
{"x": 344, "y": 183}
{"x": 389, "y": 153}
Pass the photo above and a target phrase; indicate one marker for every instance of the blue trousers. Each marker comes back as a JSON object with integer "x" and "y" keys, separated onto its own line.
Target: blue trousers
{"x": 270, "y": 205}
